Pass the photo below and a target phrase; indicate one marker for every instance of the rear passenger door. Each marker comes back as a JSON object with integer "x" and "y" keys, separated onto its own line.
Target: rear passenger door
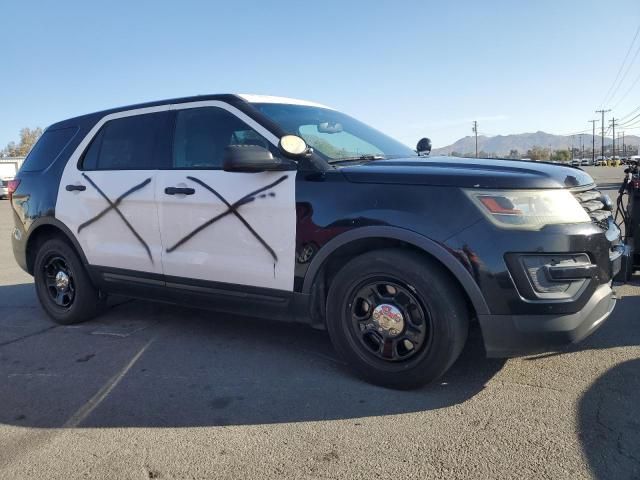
{"x": 107, "y": 192}
{"x": 224, "y": 227}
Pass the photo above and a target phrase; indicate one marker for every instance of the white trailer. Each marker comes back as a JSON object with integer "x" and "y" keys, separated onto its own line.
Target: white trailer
{"x": 8, "y": 169}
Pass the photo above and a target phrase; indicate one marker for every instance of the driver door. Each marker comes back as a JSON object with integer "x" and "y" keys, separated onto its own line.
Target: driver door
{"x": 223, "y": 227}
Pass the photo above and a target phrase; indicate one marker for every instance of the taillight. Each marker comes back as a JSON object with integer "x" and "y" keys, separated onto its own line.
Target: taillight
{"x": 12, "y": 186}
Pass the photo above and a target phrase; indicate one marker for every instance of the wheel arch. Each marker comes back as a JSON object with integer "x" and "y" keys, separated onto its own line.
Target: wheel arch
{"x": 44, "y": 228}
{"x": 385, "y": 236}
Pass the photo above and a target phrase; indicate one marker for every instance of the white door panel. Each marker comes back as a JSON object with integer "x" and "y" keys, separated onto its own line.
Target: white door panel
{"x": 108, "y": 241}
{"x": 260, "y": 252}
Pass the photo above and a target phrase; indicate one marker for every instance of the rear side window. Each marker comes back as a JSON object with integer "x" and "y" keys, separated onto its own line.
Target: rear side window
{"x": 48, "y": 148}
{"x": 127, "y": 143}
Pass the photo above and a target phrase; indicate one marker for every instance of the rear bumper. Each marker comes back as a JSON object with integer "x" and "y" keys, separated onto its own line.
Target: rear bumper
{"x": 19, "y": 243}
{"x": 514, "y": 335}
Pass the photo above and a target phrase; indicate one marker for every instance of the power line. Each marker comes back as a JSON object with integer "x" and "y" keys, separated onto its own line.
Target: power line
{"x": 631, "y": 120}
{"x": 615, "y": 81}
{"x": 631, "y": 125}
{"x": 637, "y": 109}
{"x": 586, "y": 130}
{"x": 633, "y": 84}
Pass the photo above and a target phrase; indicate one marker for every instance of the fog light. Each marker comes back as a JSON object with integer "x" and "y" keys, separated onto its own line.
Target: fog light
{"x": 551, "y": 277}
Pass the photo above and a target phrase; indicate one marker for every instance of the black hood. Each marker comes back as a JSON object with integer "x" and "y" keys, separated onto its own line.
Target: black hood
{"x": 467, "y": 173}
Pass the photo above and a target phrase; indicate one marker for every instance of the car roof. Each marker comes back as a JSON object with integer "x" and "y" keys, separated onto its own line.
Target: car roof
{"x": 252, "y": 98}
{"x": 101, "y": 113}
{"x": 225, "y": 97}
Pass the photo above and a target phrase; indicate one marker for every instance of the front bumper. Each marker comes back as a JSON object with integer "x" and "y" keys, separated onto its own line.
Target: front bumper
{"x": 514, "y": 335}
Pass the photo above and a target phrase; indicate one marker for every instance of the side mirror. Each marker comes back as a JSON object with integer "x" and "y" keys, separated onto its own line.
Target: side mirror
{"x": 424, "y": 146}
{"x": 294, "y": 146}
{"x": 253, "y": 158}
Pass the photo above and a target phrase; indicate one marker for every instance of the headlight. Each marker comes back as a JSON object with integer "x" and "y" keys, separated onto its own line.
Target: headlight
{"x": 528, "y": 209}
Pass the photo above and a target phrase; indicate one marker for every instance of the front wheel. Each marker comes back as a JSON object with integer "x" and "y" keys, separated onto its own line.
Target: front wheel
{"x": 63, "y": 286}
{"x": 396, "y": 317}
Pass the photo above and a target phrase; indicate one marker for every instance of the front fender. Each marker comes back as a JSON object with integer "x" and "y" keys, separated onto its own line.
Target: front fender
{"x": 446, "y": 258}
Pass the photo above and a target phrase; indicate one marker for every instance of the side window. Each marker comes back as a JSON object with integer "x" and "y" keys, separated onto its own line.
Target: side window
{"x": 202, "y": 134}
{"x": 48, "y": 148}
{"x": 127, "y": 143}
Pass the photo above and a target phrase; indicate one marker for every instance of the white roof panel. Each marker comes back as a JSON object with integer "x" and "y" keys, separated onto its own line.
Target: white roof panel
{"x": 273, "y": 99}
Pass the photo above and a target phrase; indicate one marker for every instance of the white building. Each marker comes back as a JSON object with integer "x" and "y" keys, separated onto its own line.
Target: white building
{"x": 9, "y": 166}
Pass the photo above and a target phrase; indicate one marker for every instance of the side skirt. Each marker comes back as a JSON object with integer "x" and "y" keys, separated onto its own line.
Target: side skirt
{"x": 222, "y": 297}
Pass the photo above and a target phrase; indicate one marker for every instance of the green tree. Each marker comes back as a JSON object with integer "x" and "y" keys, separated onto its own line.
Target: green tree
{"x": 561, "y": 156}
{"x": 538, "y": 153}
{"x": 28, "y": 138}
{"x": 325, "y": 147}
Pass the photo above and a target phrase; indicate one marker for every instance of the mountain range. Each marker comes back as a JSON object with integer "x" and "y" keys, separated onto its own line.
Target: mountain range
{"x": 501, "y": 145}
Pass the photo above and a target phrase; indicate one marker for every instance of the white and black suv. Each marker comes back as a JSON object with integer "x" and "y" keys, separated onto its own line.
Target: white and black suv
{"x": 291, "y": 210}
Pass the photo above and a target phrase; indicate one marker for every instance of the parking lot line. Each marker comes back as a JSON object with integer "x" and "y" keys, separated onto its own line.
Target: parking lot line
{"x": 83, "y": 412}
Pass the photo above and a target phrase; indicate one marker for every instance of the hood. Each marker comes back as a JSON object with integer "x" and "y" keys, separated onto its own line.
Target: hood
{"x": 467, "y": 173}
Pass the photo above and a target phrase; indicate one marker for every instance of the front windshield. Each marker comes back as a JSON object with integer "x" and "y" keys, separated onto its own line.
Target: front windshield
{"x": 334, "y": 135}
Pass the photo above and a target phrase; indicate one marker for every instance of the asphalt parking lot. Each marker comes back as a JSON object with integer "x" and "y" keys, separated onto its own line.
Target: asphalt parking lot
{"x": 155, "y": 391}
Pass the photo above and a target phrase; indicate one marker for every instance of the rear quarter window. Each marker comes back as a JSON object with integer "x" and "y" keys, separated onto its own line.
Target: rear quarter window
{"x": 128, "y": 143}
{"x": 48, "y": 148}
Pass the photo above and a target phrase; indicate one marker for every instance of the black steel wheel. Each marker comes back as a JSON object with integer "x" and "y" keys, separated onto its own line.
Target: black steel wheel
{"x": 63, "y": 286}
{"x": 388, "y": 319}
{"x": 59, "y": 281}
{"x": 397, "y": 317}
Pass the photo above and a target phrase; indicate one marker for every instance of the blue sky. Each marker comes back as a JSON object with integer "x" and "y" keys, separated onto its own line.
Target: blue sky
{"x": 409, "y": 68}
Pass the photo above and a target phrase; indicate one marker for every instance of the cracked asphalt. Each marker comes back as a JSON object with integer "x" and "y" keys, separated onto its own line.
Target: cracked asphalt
{"x": 155, "y": 391}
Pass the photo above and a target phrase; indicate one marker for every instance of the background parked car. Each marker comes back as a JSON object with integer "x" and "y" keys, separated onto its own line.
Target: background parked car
{"x": 4, "y": 187}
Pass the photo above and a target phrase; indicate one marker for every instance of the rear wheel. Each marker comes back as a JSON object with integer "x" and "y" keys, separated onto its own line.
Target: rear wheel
{"x": 396, "y": 317}
{"x": 62, "y": 284}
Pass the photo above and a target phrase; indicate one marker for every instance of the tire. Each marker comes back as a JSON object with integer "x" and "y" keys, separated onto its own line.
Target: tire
{"x": 80, "y": 301}
{"x": 367, "y": 332}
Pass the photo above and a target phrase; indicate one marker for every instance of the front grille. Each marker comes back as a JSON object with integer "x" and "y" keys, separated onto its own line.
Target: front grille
{"x": 591, "y": 200}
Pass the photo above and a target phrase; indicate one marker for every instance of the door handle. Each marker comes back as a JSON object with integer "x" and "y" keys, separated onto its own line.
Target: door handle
{"x": 179, "y": 190}
{"x": 75, "y": 188}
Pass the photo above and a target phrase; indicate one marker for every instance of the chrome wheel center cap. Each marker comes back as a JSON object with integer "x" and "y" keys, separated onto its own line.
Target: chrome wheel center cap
{"x": 388, "y": 319}
{"x": 62, "y": 281}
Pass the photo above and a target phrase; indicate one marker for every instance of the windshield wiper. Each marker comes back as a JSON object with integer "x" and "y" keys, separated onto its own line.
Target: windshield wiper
{"x": 369, "y": 157}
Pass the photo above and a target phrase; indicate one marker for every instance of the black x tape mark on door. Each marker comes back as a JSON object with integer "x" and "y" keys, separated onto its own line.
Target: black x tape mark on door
{"x": 232, "y": 208}
{"x": 114, "y": 206}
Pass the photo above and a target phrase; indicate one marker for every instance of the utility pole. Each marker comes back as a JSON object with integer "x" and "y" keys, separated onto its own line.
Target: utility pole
{"x": 624, "y": 147}
{"x": 602, "y": 139}
{"x": 593, "y": 141}
{"x": 619, "y": 144}
{"x": 581, "y": 148}
{"x": 572, "y": 148}
{"x": 613, "y": 147}
{"x": 475, "y": 131}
